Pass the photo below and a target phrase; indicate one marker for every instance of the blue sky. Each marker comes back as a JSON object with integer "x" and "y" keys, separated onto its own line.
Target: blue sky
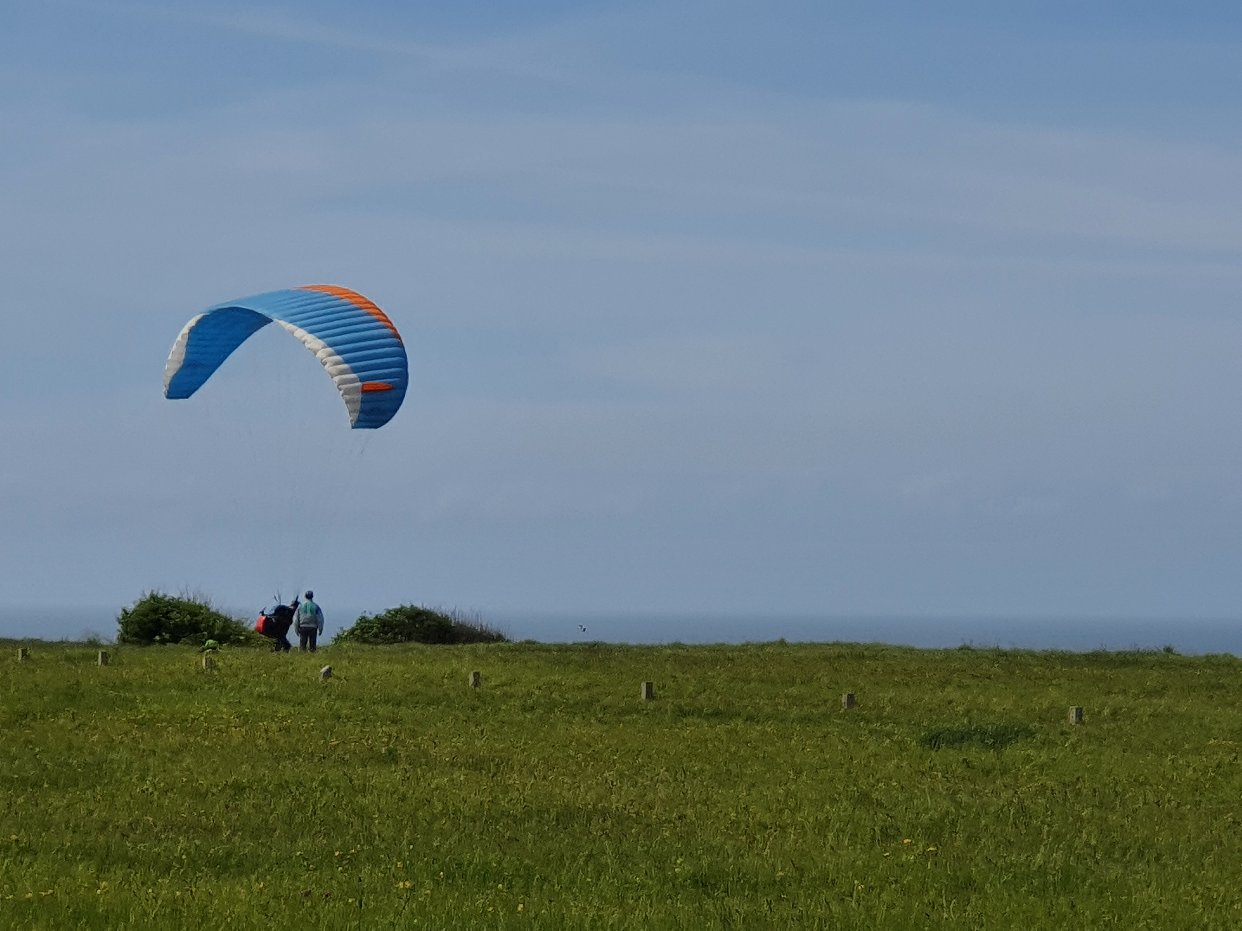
{"x": 761, "y": 309}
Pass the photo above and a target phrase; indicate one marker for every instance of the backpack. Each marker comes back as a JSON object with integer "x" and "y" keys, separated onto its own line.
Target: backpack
{"x": 263, "y": 624}
{"x": 307, "y": 615}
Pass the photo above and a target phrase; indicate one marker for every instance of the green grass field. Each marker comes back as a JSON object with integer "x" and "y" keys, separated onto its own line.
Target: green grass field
{"x": 956, "y": 794}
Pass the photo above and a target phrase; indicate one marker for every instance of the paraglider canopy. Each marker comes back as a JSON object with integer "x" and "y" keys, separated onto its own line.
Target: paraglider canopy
{"x": 353, "y": 339}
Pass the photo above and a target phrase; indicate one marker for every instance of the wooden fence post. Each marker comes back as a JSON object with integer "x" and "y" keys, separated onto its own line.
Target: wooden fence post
{"x": 475, "y": 680}
{"x": 648, "y": 691}
{"x": 103, "y": 657}
{"x": 1075, "y": 715}
{"x": 848, "y": 701}
{"x": 209, "y": 662}
{"x": 22, "y": 654}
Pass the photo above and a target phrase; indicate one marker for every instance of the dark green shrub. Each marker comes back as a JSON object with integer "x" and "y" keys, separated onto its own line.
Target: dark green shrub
{"x": 414, "y": 624}
{"x": 159, "y": 618}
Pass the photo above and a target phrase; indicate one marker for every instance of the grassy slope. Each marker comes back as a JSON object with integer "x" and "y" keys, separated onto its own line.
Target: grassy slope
{"x": 152, "y": 794}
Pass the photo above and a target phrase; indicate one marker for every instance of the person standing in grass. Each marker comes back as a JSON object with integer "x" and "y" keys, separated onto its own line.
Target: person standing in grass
{"x": 282, "y": 620}
{"x": 310, "y": 623}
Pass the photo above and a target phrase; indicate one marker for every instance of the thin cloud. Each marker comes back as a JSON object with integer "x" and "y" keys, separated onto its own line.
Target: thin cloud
{"x": 284, "y": 27}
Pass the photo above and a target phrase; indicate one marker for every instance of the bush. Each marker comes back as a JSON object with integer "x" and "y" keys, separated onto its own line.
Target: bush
{"x": 414, "y": 624}
{"x": 159, "y": 618}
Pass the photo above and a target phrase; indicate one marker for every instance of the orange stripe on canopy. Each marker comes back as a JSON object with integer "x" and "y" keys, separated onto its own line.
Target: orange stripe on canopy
{"x": 376, "y": 386}
{"x": 358, "y": 301}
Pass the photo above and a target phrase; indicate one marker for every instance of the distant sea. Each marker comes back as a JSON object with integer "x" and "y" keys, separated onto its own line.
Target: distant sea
{"x": 1191, "y": 636}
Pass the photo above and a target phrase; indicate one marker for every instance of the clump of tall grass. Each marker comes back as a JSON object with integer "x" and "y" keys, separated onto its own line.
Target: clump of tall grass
{"x": 996, "y": 736}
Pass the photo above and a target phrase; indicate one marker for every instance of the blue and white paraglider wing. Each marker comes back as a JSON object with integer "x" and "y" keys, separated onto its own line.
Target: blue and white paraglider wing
{"x": 354, "y": 340}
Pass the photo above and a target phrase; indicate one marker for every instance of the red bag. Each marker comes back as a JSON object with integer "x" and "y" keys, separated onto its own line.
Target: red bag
{"x": 260, "y": 625}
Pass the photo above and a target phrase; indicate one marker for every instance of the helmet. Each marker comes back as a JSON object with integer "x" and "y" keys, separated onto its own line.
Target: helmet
{"x": 309, "y": 593}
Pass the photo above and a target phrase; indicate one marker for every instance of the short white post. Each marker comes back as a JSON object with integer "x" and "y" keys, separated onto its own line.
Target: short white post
{"x": 648, "y": 691}
{"x": 103, "y": 657}
{"x": 209, "y": 662}
{"x": 848, "y": 701}
{"x": 22, "y": 654}
{"x": 475, "y": 680}
{"x": 1075, "y": 715}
